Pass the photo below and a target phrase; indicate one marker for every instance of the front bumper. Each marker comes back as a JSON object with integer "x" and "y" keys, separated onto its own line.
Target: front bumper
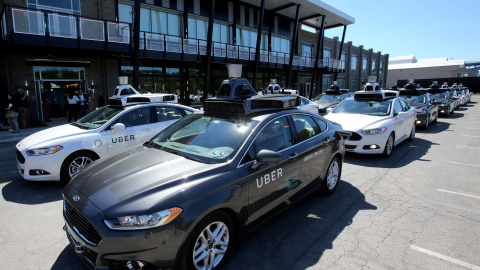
{"x": 156, "y": 248}
{"x": 362, "y": 144}
{"x": 421, "y": 119}
{"x": 38, "y": 168}
{"x": 443, "y": 109}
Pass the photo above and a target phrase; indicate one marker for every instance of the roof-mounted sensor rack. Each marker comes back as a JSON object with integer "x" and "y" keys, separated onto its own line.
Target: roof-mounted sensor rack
{"x": 249, "y": 106}
{"x": 370, "y": 95}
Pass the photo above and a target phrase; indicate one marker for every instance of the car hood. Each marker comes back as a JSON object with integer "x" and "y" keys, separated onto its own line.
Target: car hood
{"x": 47, "y": 136}
{"x": 138, "y": 179}
{"x": 356, "y": 122}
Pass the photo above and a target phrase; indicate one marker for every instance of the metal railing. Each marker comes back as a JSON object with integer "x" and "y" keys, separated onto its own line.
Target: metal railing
{"x": 47, "y": 23}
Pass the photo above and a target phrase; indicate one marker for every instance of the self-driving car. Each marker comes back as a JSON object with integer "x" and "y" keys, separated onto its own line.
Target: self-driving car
{"x": 186, "y": 196}
{"x": 379, "y": 121}
{"x": 446, "y": 105}
{"x": 424, "y": 105}
{"x": 330, "y": 99}
{"x": 59, "y": 153}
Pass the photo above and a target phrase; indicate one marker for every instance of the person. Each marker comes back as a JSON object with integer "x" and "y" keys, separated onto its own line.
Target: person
{"x": 46, "y": 102}
{"x": 91, "y": 101}
{"x": 12, "y": 115}
{"x": 73, "y": 102}
{"x": 101, "y": 100}
{"x": 82, "y": 111}
{"x": 54, "y": 104}
{"x": 21, "y": 103}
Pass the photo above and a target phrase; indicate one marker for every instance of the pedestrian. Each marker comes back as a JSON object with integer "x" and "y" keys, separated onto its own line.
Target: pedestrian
{"x": 82, "y": 110}
{"x": 46, "y": 102}
{"x": 21, "y": 103}
{"x": 11, "y": 116}
{"x": 73, "y": 102}
{"x": 91, "y": 101}
{"x": 101, "y": 100}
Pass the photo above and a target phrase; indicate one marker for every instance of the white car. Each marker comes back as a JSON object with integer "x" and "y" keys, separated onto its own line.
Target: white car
{"x": 308, "y": 105}
{"x": 377, "y": 120}
{"x": 59, "y": 153}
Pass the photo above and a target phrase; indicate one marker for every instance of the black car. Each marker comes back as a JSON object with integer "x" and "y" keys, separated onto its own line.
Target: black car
{"x": 425, "y": 107}
{"x": 186, "y": 196}
{"x": 441, "y": 96}
{"x": 327, "y": 101}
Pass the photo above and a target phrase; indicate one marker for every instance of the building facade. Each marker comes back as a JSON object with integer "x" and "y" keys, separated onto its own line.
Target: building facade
{"x": 175, "y": 46}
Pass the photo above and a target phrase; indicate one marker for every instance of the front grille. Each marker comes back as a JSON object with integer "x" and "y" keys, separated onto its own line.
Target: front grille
{"x": 20, "y": 157}
{"x": 355, "y": 137}
{"x": 350, "y": 147}
{"x": 81, "y": 224}
{"x": 88, "y": 256}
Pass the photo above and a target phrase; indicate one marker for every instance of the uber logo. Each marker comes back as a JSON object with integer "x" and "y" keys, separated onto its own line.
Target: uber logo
{"x": 269, "y": 177}
{"x": 123, "y": 139}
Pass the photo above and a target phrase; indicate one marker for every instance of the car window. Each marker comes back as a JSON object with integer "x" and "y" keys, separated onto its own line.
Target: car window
{"x": 321, "y": 124}
{"x": 305, "y": 101}
{"x": 243, "y": 90}
{"x": 397, "y": 108}
{"x": 127, "y": 91}
{"x": 137, "y": 117}
{"x": 98, "y": 117}
{"x": 378, "y": 108}
{"x": 305, "y": 127}
{"x": 224, "y": 90}
{"x": 405, "y": 105}
{"x": 165, "y": 113}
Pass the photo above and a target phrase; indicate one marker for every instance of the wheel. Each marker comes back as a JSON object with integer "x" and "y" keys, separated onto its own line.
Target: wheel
{"x": 412, "y": 133}
{"x": 74, "y": 163}
{"x": 389, "y": 145}
{"x": 209, "y": 243}
{"x": 330, "y": 182}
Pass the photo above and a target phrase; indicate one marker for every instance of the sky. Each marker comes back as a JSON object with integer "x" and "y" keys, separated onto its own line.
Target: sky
{"x": 424, "y": 28}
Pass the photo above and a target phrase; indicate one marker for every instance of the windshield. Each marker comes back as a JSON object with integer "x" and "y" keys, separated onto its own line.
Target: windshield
{"x": 441, "y": 96}
{"x": 416, "y": 100}
{"x": 378, "y": 108}
{"x": 329, "y": 98}
{"x": 204, "y": 138}
{"x": 98, "y": 117}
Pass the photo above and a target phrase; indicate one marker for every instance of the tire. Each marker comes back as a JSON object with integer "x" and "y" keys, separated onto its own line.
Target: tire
{"x": 389, "y": 145}
{"x": 330, "y": 182}
{"x": 412, "y": 133}
{"x": 200, "y": 239}
{"x": 74, "y": 163}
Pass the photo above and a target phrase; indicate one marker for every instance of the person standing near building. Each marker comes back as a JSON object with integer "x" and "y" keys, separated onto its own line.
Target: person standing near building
{"x": 91, "y": 101}
{"x": 82, "y": 111}
{"x": 73, "y": 102}
{"x": 46, "y": 102}
{"x": 21, "y": 103}
{"x": 12, "y": 115}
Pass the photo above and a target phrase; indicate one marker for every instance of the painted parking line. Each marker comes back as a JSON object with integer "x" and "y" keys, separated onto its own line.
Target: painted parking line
{"x": 464, "y": 164}
{"x": 457, "y": 193}
{"x": 445, "y": 258}
{"x": 471, "y": 136}
{"x": 471, "y": 147}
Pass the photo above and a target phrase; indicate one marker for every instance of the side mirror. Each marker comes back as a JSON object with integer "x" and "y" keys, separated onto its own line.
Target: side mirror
{"x": 344, "y": 134}
{"x": 267, "y": 157}
{"x": 118, "y": 127}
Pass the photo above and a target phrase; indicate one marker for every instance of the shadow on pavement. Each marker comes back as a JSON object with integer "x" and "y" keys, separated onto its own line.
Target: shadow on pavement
{"x": 402, "y": 155}
{"x": 26, "y": 192}
{"x": 68, "y": 260}
{"x": 435, "y": 128}
{"x": 298, "y": 237}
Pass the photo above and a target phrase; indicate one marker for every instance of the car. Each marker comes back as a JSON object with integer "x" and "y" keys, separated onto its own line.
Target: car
{"x": 183, "y": 199}
{"x": 61, "y": 152}
{"x": 446, "y": 105}
{"x": 379, "y": 121}
{"x": 454, "y": 96}
{"x": 308, "y": 105}
{"x": 424, "y": 105}
{"x": 462, "y": 96}
{"x": 327, "y": 101}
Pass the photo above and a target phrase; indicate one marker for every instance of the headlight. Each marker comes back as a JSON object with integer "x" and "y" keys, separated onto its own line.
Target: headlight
{"x": 141, "y": 222}
{"x": 374, "y": 131}
{"x": 44, "y": 150}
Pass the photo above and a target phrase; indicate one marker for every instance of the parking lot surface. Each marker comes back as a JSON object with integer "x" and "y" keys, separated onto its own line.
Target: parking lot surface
{"x": 418, "y": 209}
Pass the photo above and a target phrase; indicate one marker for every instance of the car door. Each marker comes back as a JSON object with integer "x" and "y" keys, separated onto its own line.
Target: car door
{"x": 138, "y": 129}
{"x": 269, "y": 186}
{"x": 410, "y": 118}
{"x": 399, "y": 121}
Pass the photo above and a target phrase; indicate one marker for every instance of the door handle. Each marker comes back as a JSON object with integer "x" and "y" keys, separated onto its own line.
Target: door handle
{"x": 327, "y": 141}
{"x": 293, "y": 156}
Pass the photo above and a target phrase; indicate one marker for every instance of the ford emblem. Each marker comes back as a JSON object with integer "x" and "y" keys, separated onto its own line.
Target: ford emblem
{"x": 76, "y": 198}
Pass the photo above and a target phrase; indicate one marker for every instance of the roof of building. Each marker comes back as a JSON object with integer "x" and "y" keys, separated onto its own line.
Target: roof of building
{"x": 310, "y": 12}
{"x": 409, "y": 61}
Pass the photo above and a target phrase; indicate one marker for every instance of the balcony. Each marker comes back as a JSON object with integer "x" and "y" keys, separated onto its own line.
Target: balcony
{"x": 30, "y": 27}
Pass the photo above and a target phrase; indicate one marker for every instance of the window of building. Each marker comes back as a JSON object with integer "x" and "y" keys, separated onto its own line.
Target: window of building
{"x": 279, "y": 44}
{"x": 307, "y": 49}
{"x": 381, "y": 67}
{"x": 353, "y": 63}
{"x": 65, "y": 6}
{"x": 326, "y": 82}
{"x": 327, "y": 53}
{"x": 152, "y": 20}
{"x": 125, "y": 13}
{"x": 374, "y": 66}
{"x": 341, "y": 83}
{"x": 248, "y": 38}
{"x": 364, "y": 62}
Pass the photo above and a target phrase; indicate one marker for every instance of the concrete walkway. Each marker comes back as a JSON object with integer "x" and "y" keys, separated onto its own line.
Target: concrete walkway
{"x": 7, "y": 136}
